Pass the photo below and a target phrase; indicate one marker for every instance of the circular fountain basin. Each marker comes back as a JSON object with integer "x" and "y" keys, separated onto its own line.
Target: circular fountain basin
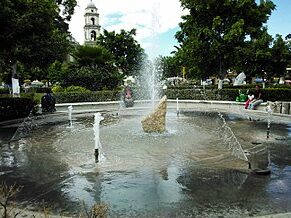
{"x": 187, "y": 171}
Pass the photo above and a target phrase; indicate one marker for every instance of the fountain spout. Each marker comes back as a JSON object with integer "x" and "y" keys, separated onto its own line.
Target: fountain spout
{"x": 96, "y": 128}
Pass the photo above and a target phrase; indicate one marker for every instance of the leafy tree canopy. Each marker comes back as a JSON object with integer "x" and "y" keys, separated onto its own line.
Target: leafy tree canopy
{"x": 92, "y": 56}
{"x": 33, "y": 33}
{"x": 281, "y": 56}
{"x": 170, "y": 66}
{"x": 93, "y": 69}
{"x": 127, "y": 52}
{"x": 214, "y": 31}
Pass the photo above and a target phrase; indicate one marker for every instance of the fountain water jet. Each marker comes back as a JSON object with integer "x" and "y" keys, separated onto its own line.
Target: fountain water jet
{"x": 96, "y": 128}
{"x": 178, "y": 109}
{"x": 70, "y": 111}
{"x": 269, "y": 110}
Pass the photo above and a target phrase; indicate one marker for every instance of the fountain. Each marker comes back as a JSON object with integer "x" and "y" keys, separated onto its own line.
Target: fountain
{"x": 269, "y": 111}
{"x": 195, "y": 168}
{"x": 152, "y": 174}
{"x": 96, "y": 128}
{"x": 70, "y": 111}
{"x": 177, "y": 106}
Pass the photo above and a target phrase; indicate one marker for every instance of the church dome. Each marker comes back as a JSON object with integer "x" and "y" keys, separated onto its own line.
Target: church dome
{"x": 91, "y": 5}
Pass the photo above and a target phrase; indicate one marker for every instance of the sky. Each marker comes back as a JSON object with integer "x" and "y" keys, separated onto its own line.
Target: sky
{"x": 157, "y": 21}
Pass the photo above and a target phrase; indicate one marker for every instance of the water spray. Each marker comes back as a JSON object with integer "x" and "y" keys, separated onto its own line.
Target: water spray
{"x": 269, "y": 110}
{"x": 178, "y": 109}
{"x": 70, "y": 111}
{"x": 96, "y": 128}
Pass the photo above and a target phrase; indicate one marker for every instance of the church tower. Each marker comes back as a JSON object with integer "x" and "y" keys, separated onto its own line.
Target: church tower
{"x": 92, "y": 27}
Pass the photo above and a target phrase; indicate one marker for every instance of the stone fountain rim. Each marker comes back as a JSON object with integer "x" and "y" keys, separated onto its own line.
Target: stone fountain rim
{"x": 172, "y": 105}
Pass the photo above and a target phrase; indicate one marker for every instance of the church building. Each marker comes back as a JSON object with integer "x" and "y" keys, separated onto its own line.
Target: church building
{"x": 92, "y": 27}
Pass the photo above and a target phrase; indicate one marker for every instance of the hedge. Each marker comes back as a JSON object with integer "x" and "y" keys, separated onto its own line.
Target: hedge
{"x": 14, "y": 108}
{"x": 4, "y": 90}
{"x": 68, "y": 97}
{"x": 227, "y": 86}
{"x": 195, "y": 94}
{"x": 269, "y": 94}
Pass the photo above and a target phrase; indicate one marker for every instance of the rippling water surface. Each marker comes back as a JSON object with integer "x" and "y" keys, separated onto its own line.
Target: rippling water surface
{"x": 186, "y": 171}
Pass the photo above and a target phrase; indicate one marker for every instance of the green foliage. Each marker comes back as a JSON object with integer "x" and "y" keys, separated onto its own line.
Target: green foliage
{"x": 76, "y": 89}
{"x": 55, "y": 72}
{"x": 196, "y": 94}
{"x": 227, "y": 94}
{"x": 96, "y": 56}
{"x": 170, "y": 66}
{"x": 27, "y": 81}
{"x": 57, "y": 88}
{"x": 68, "y": 7}
{"x": 277, "y": 94}
{"x": 281, "y": 57}
{"x": 33, "y": 33}
{"x": 68, "y": 97}
{"x": 14, "y": 108}
{"x": 255, "y": 57}
{"x": 127, "y": 52}
{"x": 218, "y": 35}
{"x": 89, "y": 78}
{"x": 93, "y": 70}
{"x": 4, "y": 91}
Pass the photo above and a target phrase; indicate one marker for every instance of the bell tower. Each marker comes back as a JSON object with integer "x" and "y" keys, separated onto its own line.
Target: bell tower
{"x": 92, "y": 27}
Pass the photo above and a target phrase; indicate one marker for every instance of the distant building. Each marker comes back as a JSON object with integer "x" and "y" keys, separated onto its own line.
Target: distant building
{"x": 92, "y": 27}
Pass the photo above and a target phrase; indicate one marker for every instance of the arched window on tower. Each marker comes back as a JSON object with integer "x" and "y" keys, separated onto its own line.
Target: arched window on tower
{"x": 93, "y": 20}
{"x": 93, "y": 35}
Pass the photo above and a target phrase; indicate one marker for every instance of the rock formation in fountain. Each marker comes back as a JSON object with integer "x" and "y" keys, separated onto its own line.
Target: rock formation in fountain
{"x": 156, "y": 121}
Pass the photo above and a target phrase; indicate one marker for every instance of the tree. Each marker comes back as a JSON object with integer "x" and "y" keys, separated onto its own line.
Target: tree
{"x": 33, "y": 33}
{"x": 93, "y": 69}
{"x": 215, "y": 31}
{"x": 105, "y": 77}
{"x": 127, "y": 52}
{"x": 281, "y": 56}
{"x": 96, "y": 56}
{"x": 170, "y": 66}
{"x": 255, "y": 57}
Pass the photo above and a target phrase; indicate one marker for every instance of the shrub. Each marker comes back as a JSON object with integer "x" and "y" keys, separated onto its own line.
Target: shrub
{"x": 91, "y": 78}
{"x": 226, "y": 94}
{"x": 76, "y": 89}
{"x": 67, "y": 97}
{"x": 4, "y": 90}
{"x": 35, "y": 90}
{"x": 277, "y": 94}
{"x": 57, "y": 88}
{"x": 27, "y": 81}
{"x": 195, "y": 94}
{"x": 14, "y": 108}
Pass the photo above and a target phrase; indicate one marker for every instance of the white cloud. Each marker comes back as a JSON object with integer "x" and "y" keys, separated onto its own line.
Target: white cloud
{"x": 151, "y": 17}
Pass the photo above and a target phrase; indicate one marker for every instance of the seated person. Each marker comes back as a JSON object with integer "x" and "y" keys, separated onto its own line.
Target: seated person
{"x": 258, "y": 98}
{"x": 250, "y": 98}
{"x": 48, "y": 102}
{"x": 127, "y": 97}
